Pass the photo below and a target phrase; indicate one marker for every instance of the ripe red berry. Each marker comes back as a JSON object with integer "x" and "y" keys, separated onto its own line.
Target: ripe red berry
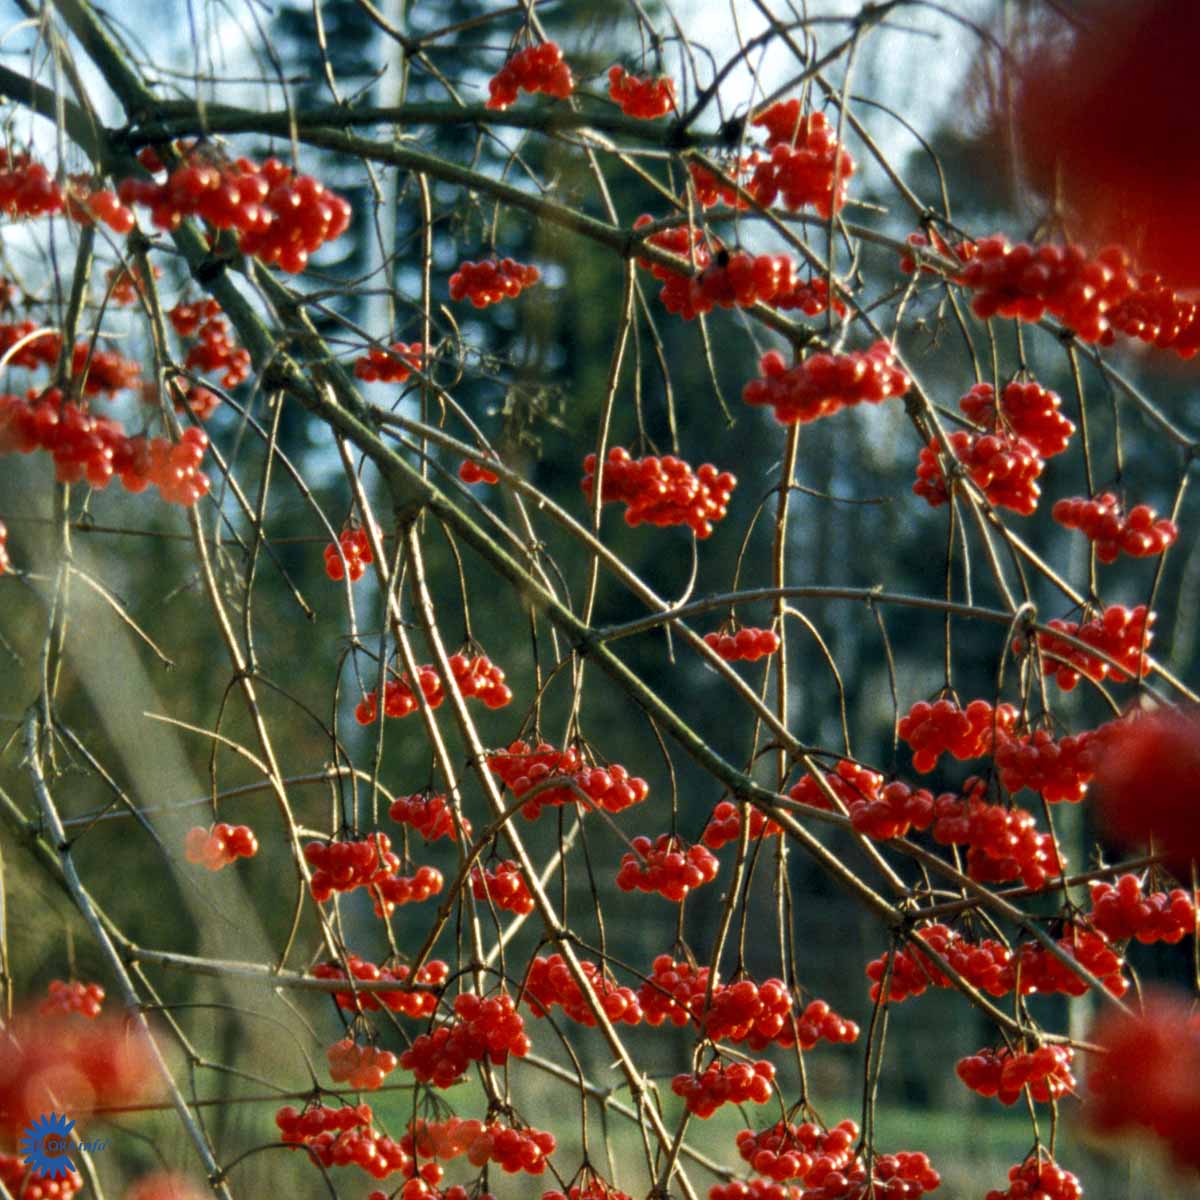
{"x": 748, "y": 644}
{"x": 1140, "y": 534}
{"x": 221, "y": 845}
{"x": 668, "y": 866}
{"x": 489, "y": 282}
{"x": 86, "y": 999}
{"x": 538, "y": 68}
{"x": 643, "y": 98}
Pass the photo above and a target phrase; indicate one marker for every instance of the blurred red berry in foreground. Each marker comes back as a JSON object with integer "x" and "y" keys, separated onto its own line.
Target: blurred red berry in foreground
{"x": 1147, "y": 783}
{"x": 1103, "y": 112}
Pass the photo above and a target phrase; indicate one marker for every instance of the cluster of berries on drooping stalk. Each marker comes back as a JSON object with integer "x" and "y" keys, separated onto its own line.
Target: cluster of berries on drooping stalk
{"x": 27, "y": 189}
{"x": 646, "y": 98}
{"x": 1005, "y": 1073}
{"x": 96, "y": 449}
{"x": 1140, "y": 533}
{"x": 1027, "y": 282}
{"x": 512, "y": 1150}
{"x": 489, "y": 282}
{"x": 23, "y": 1184}
{"x": 1148, "y": 1077}
{"x": 1031, "y": 411}
{"x": 423, "y": 1188}
{"x": 279, "y": 217}
{"x": 807, "y": 165}
{"x": 469, "y": 471}
{"x": 1002, "y": 465}
{"x": 993, "y": 968}
{"x": 370, "y": 863}
{"x": 342, "y": 1137}
{"x": 540, "y": 68}
{"x": 522, "y": 767}
{"x": 741, "y": 1083}
{"x": 40, "y": 351}
{"x": 219, "y": 846}
{"x": 823, "y": 384}
{"x": 429, "y": 814}
{"x": 350, "y": 555}
{"x": 731, "y": 280}
{"x": 1003, "y": 844}
{"x": 662, "y": 491}
{"x": 1122, "y": 633}
{"x": 784, "y": 1152}
{"x": 107, "y": 372}
{"x": 1153, "y": 313}
{"x": 686, "y": 241}
{"x": 876, "y": 810}
{"x": 389, "y": 366}
{"x": 215, "y": 349}
{"x": 1060, "y": 770}
{"x": 200, "y": 401}
{"x": 594, "y": 1188}
{"x": 1038, "y": 1179}
{"x": 86, "y": 999}
{"x": 725, "y": 825}
{"x": 904, "y": 1176}
{"x": 476, "y": 677}
{"x": 1121, "y": 910}
{"x": 505, "y": 887}
{"x": 933, "y": 729}
{"x": 412, "y": 1003}
{"x": 849, "y": 781}
{"x": 667, "y": 866}
{"x": 126, "y": 284}
{"x": 53, "y": 1061}
{"x": 747, "y": 645}
{"x": 482, "y": 1028}
{"x": 549, "y": 982}
{"x": 364, "y": 1068}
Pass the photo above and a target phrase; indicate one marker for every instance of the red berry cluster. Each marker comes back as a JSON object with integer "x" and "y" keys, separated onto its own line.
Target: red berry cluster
{"x": 739, "y": 280}
{"x": 668, "y": 866}
{"x": 389, "y": 893}
{"x": 23, "y": 1184}
{"x": 1059, "y": 770}
{"x": 849, "y": 781}
{"x": 1044, "y": 973}
{"x": 987, "y": 965}
{"x": 506, "y": 887}
{"x": 549, "y": 982}
{"x": 1005, "y": 1073}
{"x": 1027, "y": 282}
{"x": 754, "y": 1189}
{"x": 535, "y": 69}
{"x": 807, "y": 164}
{"x": 1122, "y": 633}
{"x": 674, "y": 992}
{"x": 823, "y": 384}
{"x": 594, "y": 1189}
{"x": 746, "y": 1011}
{"x": 279, "y": 217}
{"x": 126, "y": 284}
{"x": 86, "y": 999}
{"x": 933, "y": 729}
{"x": 422, "y": 1189}
{"x": 742, "y": 1083}
{"x": 429, "y": 815}
{"x": 488, "y": 1028}
{"x": 41, "y": 351}
{"x": 345, "y": 866}
{"x": 85, "y": 206}
{"x": 341, "y": 1137}
{"x": 1148, "y": 1077}
{"x": 27, "y": 189}
{"x": 218, "y": 847}
{"x": 5, "y": 561}
{"x": 192, "y": 398}
{"x": 476, "y": 677}
{"x": 96, "y": 449}
{"x": 645, "y": 99}
{"x": 1031, "y": 411}
{"x": 747, "y": 645}
{"x": 903, "y": 1176}
{"x": 964, "y": 251}
{"x": 810, "y": 297}
{"x": 489, "y": 282}
{"x": 521, "y": 768}
{"x": 897, "y": 809}
{"x": 215, "y": 350}
{"x": 1153, "y": 313}
{"x": 1122, "y": 911}
{"x": 784, "y": 1151}
{"x": 662, "y": 491}
{"x": 412, "y": 1004}
{"x": 349, "y": 555}
{"x": 710, "y": 189}
{"x": 1003, "y": 844}
{"x": 1038, "y": 1179}
{"x": 364, "y": 1068}
{"x": 1140, "y": 533}
{"x": 689, "y": 243}
{"x": 725, "y": 825}
{"x": 107, "y": 372}
{"x": 470, "y": 471}
{"x": 1003, "y": 466}
{"x": 513, "y": 1150}
{"x": 389, "y": 366}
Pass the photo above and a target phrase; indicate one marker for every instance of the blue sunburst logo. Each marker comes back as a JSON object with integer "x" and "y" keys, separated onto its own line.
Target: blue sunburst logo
{"x": 45, "y": 1144}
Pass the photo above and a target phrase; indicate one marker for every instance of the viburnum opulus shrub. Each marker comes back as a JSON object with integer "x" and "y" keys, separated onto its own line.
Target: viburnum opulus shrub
{"x": 557, "y": 584}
